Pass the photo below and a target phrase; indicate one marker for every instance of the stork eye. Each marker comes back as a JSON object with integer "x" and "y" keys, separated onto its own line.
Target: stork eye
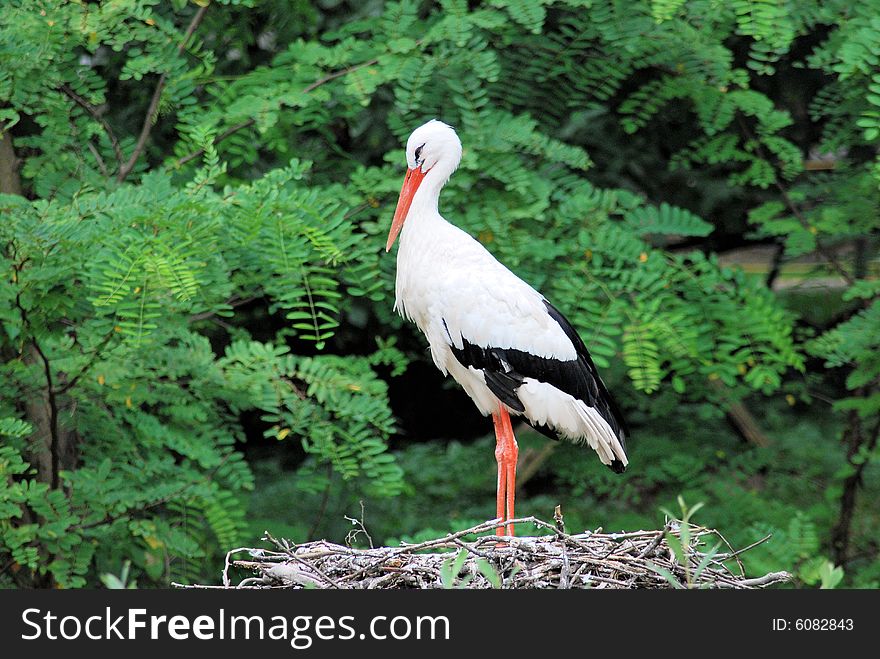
{"x": 419, "y": 152}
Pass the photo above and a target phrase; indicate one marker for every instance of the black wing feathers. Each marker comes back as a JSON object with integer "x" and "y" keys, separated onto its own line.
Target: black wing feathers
{"x": 506, "y": 368}
{"x": 608, "y": 406}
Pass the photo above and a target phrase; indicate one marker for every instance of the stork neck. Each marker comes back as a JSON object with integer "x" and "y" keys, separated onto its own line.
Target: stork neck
{"x": 423, "y": 216}
{"x": 426, "y": 200}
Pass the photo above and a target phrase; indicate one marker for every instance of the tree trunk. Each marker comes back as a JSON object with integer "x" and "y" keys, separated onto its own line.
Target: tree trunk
{"x": 10, "y": 182}
{"x": 53, "y": 448}
{"x": 856, "y": 442}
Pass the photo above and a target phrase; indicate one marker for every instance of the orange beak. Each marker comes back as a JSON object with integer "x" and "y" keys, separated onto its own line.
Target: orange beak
{"x": 411, "y": 183}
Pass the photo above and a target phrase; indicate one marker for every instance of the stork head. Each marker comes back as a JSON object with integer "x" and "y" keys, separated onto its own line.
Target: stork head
{"x": 432, "y": 148}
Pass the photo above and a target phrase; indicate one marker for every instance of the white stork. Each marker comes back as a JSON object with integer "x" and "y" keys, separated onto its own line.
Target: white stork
{"x": 506, "y": 345}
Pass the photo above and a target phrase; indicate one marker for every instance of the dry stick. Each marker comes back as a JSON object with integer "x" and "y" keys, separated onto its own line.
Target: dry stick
{"x": 125, "y": 168}
{"x": 354, "y": 533}
{"x": 290, "y": 551}
{"x": 543, "y": 561}
{"x": 647, "y": 551}
{"x": 195, "y": 586}
{"x": 472, "y": 550}
{"x": 250, "y": 122}
{"x": 314, "y": 569}
{"x": 283, "y": 545}
{"x": 773, "y": 577}
{"x": 227, "y": 563}
{"x": 564, "y": 578}
{"x": 736, "y": 553}
{"x": 408, "y": 549}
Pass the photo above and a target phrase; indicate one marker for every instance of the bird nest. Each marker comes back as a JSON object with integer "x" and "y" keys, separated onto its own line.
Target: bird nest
{"x": 675, "y": 556}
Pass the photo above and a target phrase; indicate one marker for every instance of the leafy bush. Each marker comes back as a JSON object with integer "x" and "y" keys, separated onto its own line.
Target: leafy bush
{"x": 195, "y": 196}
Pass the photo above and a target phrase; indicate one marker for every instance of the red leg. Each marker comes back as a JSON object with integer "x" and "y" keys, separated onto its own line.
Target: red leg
{"x": 500, "y": 454}
{"x": 511, "y": 456}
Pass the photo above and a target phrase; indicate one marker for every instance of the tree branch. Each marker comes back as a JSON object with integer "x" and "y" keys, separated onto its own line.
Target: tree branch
{"x": 250, "y": 122}
{"x": 823, "y": 249}
{"x": 85, "y": 369}
{"x": 858, "y": 443}
{"x": 232, "y": 302}
{"x": 96, "y": 115}
{"x": 54, "y": 444}
{"x": 147, "y": 127}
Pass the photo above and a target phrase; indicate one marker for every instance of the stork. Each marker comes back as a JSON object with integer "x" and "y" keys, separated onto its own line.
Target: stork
{"x": 510, "y": 349}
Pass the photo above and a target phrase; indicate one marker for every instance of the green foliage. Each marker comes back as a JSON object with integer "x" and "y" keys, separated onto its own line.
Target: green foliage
{"x": 451, "y": 569}
{"x": 196, "y": 251}
{"x": 112, "y": 582}
{"x": 683, "y": 545}
{"x": 115, "y": 293}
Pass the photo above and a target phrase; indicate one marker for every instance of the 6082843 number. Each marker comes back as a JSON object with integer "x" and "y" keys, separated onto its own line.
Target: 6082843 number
{"x": 823, "y": 624}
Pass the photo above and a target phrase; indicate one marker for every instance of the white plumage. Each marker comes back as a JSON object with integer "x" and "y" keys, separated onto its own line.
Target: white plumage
{"x": 484, "y": 323}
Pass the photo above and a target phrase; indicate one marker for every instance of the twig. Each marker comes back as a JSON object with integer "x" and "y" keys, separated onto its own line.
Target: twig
{"x": 473, "y": 550}
{"x": 70, "y": 384}
{"x": 147, "y": 126}
{"x": 773, "y": 577}
{"x": 564, "y": 577}
{"x": 101, "y": 164}
{"x": 227, "y": 563}
{"x": 250, "y": 122}
{"x": 353, "y": 534}
{"x": 311, "y": 567}
{"x": 232, "y": 302}
{"x": 589, "y": 559}
{"x": 222, "y": 136}
{"x": 820, "y": 246}
{"x": 735, "y": 553}
{"x": 96, "y": 115}
{"x": 647, "y": 551}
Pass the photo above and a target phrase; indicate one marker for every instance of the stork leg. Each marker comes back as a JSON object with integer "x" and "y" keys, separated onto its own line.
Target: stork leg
{"x": 511, "y": 458}
{"x": 500, "y": 441}
{"x": 506, "y": 454}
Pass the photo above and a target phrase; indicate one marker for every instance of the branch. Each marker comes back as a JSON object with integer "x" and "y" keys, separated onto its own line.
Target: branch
{"x": 823, "y": 249}
{"x": 85, "y": 369}
{"x": 232, "y": 302}
{"x": 250, "y": 122}
{"x": 740, "y": 416}
{"x": 125, "y": 169}
{"x": 101, "y": 164}
{"x": 222, "y": 136}
{"x": 636, "y": 559}
{"x": 840, "y": 536}
{"x": 96, "y": 115}
{"x": 820, "y": 246}
{"x": 766, "y": 580}
{"x": 53, "y": 414}
{"x": 54, "y": 448}
{"x": 130, "y": 512}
